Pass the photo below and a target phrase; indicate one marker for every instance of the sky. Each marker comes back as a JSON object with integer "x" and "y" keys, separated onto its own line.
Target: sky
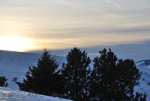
{"x": 27, "y": 25}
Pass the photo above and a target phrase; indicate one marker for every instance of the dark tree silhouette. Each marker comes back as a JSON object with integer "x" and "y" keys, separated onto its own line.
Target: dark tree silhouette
{"x": 139, "y": 97}
{"x": 75, "y": 73}
{"x": 43, "y": 78}
{"x": 113, "y": 79}
{"x": 3, "y": 82}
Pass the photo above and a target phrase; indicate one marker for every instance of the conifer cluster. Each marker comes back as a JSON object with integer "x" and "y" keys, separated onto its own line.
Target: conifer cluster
{"x": 109, "y": 79}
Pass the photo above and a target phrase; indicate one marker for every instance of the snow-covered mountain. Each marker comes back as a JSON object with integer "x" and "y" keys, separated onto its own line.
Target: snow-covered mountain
{"x": 16, "y": 95}
{"x": 15, "y": 64}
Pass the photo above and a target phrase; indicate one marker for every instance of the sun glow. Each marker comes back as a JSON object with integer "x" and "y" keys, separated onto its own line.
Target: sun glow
{"x": 14, "y": 43}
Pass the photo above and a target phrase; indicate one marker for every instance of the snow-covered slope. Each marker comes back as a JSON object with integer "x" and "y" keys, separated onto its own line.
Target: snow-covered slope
{"x": 15, "y": 64}
{"x": 16, "y": 95}
{"x": 144, "y": 82}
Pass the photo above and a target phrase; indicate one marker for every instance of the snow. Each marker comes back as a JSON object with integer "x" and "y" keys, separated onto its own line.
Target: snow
{"x": 15, "y": 64}
{"x": 7, "y": 94}
{"x": 143, "y": 87}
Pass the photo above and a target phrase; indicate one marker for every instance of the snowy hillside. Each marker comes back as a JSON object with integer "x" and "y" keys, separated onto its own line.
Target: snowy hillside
{"x": 16, "y": 95}
{"x": 15, "y": 64}
{"x": 144, "y": 86}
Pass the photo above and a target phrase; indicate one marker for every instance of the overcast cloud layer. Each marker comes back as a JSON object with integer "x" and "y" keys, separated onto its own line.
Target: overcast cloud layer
{"x": 59, "y": 24}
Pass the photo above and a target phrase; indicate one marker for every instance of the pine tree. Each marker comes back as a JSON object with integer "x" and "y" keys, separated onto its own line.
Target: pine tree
{"x": 139, "y": 97}
{"x": 3, "y": 82}
{"x": 43, "y": 78}
{"x": 113, "y": 79}
{"x": 75, "y": 73}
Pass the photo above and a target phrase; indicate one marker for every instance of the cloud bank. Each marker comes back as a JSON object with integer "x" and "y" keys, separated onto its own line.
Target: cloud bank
{"x": 60, "y": 24}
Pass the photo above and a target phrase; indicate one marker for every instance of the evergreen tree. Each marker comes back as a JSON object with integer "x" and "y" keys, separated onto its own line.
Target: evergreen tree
{"x": 139, "y": 97}
{"x": 113, "y": 79}
{"x": 75, "y": 73}
{"x": 3, "y": 82}
{"x": 43, "y": 78}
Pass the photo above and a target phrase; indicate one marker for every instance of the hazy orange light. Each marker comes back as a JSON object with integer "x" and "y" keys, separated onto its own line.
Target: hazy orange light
{"x": 14, "y": 43}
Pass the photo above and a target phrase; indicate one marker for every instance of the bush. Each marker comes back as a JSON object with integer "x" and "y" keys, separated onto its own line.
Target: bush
{"x": 3, "y": 82}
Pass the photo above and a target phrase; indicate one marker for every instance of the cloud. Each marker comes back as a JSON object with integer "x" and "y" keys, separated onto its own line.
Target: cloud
{"x": 76, "y": 22}
{"x": 113, "y": 3}
{"x": 64, "y": 2}
{"x": 137, "y": 51}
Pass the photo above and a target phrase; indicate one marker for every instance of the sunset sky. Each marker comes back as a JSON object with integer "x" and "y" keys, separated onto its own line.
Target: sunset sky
{"x": 27, "y": 25}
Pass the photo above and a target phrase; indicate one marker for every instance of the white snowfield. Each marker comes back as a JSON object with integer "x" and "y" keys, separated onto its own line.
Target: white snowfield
{"x": 16, "y": 95}
{"x": 144, "y": 82}
{"x": 15, "y": 64}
